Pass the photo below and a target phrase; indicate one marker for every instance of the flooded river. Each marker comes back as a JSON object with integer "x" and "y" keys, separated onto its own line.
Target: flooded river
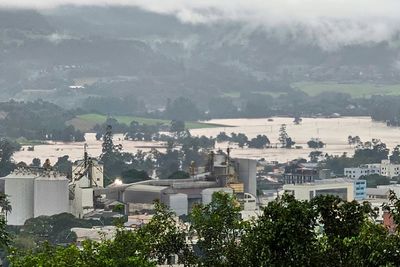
{"x": 333, "y": 132}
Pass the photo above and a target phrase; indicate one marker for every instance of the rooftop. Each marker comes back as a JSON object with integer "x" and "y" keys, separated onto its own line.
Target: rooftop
{"x": 377, "y": 191}
{"x": 35, "y": 173}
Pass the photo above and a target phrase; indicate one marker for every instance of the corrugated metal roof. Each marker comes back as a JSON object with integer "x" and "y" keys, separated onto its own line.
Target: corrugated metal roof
{"x": 377, "y": 191}
{"x": 148, "y": 188}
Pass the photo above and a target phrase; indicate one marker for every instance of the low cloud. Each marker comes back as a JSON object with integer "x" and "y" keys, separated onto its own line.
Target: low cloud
{"x": 328, "y": 23}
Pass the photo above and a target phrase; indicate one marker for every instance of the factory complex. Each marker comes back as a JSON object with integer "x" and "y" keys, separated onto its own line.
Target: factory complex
{"x": 34, "y": 192}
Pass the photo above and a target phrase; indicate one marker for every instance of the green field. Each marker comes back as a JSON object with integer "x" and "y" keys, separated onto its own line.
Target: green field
{"x": 86, "y": 121}
{"x": 354, "y": 89}
{"x": 25, "y": 142}
{"x": 236, "y": 94}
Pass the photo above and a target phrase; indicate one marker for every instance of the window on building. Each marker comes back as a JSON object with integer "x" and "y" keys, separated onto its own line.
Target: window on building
{"x": 340, "y": 192}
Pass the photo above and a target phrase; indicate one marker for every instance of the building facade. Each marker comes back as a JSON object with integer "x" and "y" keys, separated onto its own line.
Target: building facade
{"x": 385, "y": 168}
{"x": 363, "y": 170}
{"x": 346, "y": 189}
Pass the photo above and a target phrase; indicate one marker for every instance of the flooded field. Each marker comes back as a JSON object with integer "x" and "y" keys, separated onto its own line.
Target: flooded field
{"x": 333, "y": 132}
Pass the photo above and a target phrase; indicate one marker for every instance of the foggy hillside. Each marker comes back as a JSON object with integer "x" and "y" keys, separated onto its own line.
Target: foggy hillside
{"x": 148, "y": 55}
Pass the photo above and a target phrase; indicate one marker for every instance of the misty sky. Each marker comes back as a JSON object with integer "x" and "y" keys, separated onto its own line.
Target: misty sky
{"x": 330, "y": 23}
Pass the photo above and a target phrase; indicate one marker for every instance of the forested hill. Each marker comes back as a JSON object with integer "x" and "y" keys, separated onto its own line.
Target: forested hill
{"x": 136, "y": 52}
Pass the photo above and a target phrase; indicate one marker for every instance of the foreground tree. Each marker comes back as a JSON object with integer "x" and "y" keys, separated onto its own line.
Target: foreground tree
{"x": 218, "y": 229}
{"x": 164, "y": 237}
{"x": 283, "y": 236}
{"x": 326, "y": 231}
{"x": 4, "y": 235}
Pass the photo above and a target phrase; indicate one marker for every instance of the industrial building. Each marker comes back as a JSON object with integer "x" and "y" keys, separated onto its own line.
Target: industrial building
{"x": 42, "y": 191}
{"x": 87, "y": 174}
{"x": 298, "y": 173}
{"x": 33, "y": 193}
{"x": 233, "y": 176}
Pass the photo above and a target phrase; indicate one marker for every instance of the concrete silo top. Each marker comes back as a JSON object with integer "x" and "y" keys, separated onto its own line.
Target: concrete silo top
{"x": 27, "y": 173}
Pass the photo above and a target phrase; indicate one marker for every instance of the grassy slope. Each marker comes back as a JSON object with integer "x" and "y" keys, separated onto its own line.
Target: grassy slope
{"x": 86, "y": 121}
{"x": 355, "y": 90}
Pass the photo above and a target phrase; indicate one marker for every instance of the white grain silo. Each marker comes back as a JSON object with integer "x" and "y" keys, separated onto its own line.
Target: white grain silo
{"x": 247, "y": 170}
{"x": 206, "y": 194}
{"x": 50, "y": 195}
{"x": 19, "y": 188}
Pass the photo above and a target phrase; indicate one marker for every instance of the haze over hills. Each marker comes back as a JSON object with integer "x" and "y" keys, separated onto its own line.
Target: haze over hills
{"x": 127, "y": 51}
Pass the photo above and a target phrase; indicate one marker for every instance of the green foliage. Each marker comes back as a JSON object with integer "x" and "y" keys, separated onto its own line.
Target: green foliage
{"x": 133, "y": 176}
{"x": 182, "y": 109}
{"x": 177, "y": 126}
{"x": 315, "y": 156}
{"x": 38, "y": 120}
{"x": 164, "y": 237}
{"x": 64, "y": 165}
{"x": 222, "y": 137}
{"x": 114, "y": 105}
{"x": 143, "y": 132}
{"x": 218, "y": 228}
{"x": 326, "y": 231}
{"x": 283, "y": 236}
{"x": 54, "y": 229}
{"x": 94, "y": 118}
{"x": 222, "y": 107}
{"x": 315, "y": 143}
{"x": 240, "y": 138}
{"x": 338, "y": 163}
{"x": 5, "y": 238}
{"x": 179, "y": 175}
{"x": 374, "y": 180}
{"x": 284, "y": 139}
{"x": 395, "y": 157}
{"x": 373, "y": 151}
{"x": 7, "y": 150}
{"x": 119, "y": 208}
{"x": 106, "y": 253}
{"x": 261, "y": 141}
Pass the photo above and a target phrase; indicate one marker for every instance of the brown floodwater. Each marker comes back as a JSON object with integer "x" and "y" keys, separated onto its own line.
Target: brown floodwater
{"x": 332, "y": 131}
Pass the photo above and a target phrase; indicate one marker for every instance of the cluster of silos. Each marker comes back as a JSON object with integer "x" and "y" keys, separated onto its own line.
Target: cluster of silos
{"x": 50, "y": 196}
{"x": 34, "y": 194}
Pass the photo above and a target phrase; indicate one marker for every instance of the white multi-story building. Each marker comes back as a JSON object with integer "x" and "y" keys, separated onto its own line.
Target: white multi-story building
{"x": 389, "y": 170}
{"x": 363, "y": 170}
{"x": 347, "y": 189}
{"x": 385, "y": 168}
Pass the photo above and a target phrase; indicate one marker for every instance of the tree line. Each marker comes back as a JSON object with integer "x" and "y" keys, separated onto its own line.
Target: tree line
{"x": 325, "y": 231}
{"x": 37, "y": 120}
